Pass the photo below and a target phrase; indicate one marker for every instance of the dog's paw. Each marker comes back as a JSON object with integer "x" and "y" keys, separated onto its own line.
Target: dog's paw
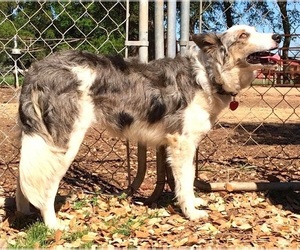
{"x": 56, "y": 225}
{"x": 197, "y": 214}
{"x": 200, "y": 202}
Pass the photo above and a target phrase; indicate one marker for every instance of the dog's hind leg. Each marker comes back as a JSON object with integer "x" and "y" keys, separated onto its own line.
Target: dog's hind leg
{"x": 180, "y": 155}
{"x": 41, "y": 168}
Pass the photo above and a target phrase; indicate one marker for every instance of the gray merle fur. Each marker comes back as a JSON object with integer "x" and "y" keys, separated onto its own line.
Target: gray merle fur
{"x": 150, "y": 92}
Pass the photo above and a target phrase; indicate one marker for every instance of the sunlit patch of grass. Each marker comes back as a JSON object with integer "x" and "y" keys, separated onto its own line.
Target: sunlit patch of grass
{"x": 125, "y": 228}
{"x": 116, "y": 217}
{"x": 9, "y": 80}
{"x": 128, "y": 225}
{"x": 80, "y": 204}
{"x": 36, "y": 236}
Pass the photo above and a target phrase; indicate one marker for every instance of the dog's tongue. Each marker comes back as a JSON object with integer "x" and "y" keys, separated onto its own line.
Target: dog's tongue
{"x": 274, "y": 58}
{"x": 263, "y": 58}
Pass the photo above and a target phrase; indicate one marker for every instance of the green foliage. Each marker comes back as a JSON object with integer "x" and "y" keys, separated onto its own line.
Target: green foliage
{"x": 44, "y": 27}
{"x": 72, "y": 236}
{"x": 126, "y": 228}
{"x": 80, "y": 204}
{"x": 9, "y": 80}
{"x": 48, "y": 26}
{"x": 36, "y": 236}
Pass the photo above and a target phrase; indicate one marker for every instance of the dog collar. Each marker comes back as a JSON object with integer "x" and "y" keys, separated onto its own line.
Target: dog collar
{"x": 233, "y": 105}
{"x": 221, "y": 91}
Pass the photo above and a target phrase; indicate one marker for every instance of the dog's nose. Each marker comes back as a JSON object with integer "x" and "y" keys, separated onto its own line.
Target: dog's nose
{"x": 276, "y": 38}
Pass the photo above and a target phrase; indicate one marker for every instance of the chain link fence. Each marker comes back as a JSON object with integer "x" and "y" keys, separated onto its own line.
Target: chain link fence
{"x": 38, "y": 29}
{"x": 258, "y": 141}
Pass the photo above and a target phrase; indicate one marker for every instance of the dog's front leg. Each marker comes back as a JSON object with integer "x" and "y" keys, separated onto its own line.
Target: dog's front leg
{"x": 180, "y": 156}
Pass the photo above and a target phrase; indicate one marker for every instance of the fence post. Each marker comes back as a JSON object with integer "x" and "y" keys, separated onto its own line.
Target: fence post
{"x": 143, "y": 30}
{"x": 159, "y": 29}
{"x": 143, "y": 56}
{"x": 200, "y": 15}
{"x": 171, "y": 32}
{"x": 159, "y": 53}
{"x": 161, "y": 163}
{"x": 184, "y": 27}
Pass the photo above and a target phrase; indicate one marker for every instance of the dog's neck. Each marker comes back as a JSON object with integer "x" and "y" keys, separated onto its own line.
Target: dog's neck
{"x": 215, "y": 77}
{"x": 220, "y": 90}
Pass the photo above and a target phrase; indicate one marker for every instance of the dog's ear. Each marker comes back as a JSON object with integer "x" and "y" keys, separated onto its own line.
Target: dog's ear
{"x": 208, "y": 43}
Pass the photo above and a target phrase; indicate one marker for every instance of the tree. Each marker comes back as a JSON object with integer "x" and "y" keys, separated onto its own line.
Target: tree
{"x": 44, "y": 27}
{"x": 216, "y": 15}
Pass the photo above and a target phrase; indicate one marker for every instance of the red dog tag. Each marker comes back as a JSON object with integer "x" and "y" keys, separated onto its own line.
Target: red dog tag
{"x": 233, "y": 105}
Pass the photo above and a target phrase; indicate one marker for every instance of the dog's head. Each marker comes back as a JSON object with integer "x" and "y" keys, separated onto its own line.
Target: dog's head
{"x": 232, "y": 57}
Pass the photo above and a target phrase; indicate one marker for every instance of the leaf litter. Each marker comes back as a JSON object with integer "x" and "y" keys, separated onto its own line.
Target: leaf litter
{"x": 236, "y": 220}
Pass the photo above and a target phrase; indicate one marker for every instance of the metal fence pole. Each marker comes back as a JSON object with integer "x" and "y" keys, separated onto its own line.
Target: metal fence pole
{"x": 143, "y": 30}
{"x": 171, "y": 33}
{"x": 159, "y": 53}
{"x": 159, "y": 29}
{"x": 184, "y": 27}
{"x": 200, "y": 15}
{"x": 143, "y": 56}
{"x": 161, "y": 163}
{"x": 127, "y": 27}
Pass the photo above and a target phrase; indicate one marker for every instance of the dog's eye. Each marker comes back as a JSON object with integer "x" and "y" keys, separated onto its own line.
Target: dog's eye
{"x": 244, "y": 35}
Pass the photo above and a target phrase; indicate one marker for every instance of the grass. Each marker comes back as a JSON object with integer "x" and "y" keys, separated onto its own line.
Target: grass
{"x": 38, "y": 236}
{"x": 126, "y": 227}
{"x": 83, "y": 234}
{"x": 9, "y": 80}
{"x": 266, "y": 82}
{"x": 79, "y": 204}
{"x": 73, "y": 236}
{"x": 35, "y": 236}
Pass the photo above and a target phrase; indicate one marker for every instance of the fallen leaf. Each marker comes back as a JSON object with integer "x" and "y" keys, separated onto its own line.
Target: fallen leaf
{"x": 58, "y": 235}
{"x": 192, "y": 240}
{"x": 89, "y": 237}
{"x": 142, "y": 234}
{"x": 163, "y": 213}
{"x": 265, "y": 228}
{"x": 283, "y": 243}
{"x": 74, "y": 244}
{"x": 209, "y": 227}
{"x": 72, "y": 222}
{"x": 135, "y": 225}
{"x": 153, "y": 221}
{"x": 181, "y": 242}
{"x": 244, "y": 226}
{"x": 80, "y": 196}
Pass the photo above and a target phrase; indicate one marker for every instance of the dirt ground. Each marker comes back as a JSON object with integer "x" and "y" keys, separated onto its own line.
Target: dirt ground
{"x": 257, "y": 142}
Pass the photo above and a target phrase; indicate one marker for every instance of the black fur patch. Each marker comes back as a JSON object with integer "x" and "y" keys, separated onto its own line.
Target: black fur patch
{"x": 124, "y": 119}
{"x": 157, "y": 110}
{"x": 118, "y": 62}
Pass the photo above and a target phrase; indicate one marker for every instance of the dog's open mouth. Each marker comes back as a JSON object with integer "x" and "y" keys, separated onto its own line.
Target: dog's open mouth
{"x": 264, "y": 58}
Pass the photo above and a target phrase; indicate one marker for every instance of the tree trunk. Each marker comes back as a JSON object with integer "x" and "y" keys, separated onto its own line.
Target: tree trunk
{"x": 228, "y": 13}
{"x": 287, "y": 39}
